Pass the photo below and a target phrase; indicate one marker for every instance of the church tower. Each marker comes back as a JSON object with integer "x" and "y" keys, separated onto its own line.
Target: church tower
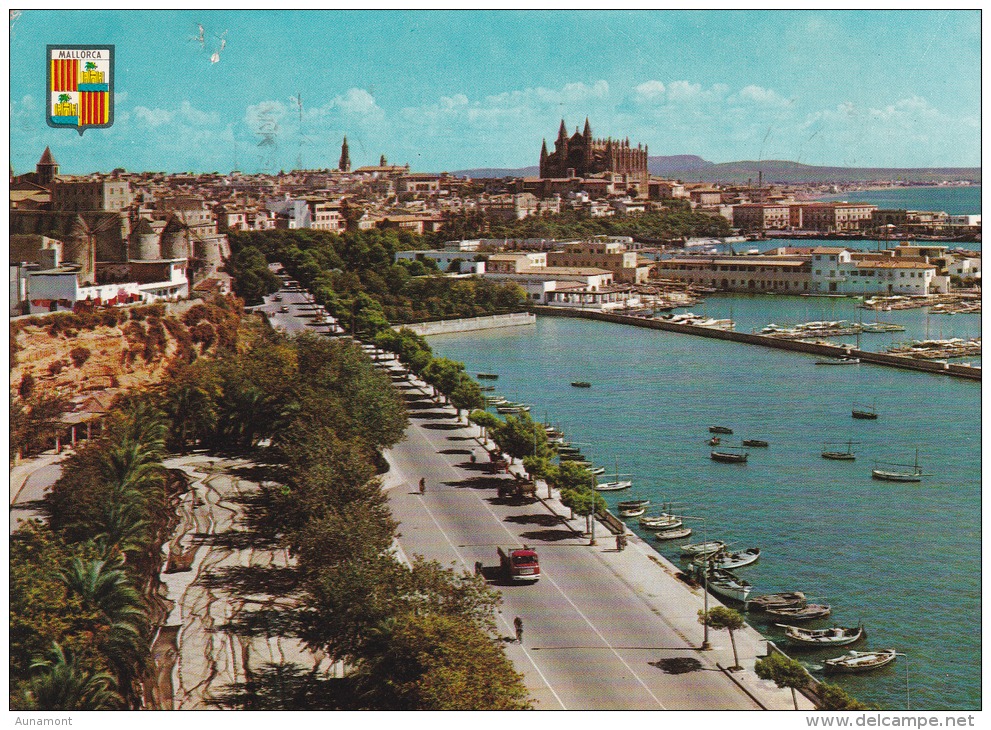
{"x": 46, "y": 169}
{"x": 345, "y": 163}
{"x": 543, "y": 159}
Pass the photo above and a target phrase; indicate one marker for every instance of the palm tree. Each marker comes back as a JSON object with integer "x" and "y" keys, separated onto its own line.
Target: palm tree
{"x": 61, "y": 684}
{"x": 104, "y": 586}
{"x": 63, "y": 98}
{"x": 90, "y": 66}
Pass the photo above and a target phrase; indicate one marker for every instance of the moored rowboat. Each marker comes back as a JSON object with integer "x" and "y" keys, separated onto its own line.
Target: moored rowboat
{"x": 730, "y": 561}
{"x": 806, "y": 613}
{"x": 703, "y": 548}
{"x": 835, "y": 636}
{"x": 860, "y": 661}
{"x": 786, "y": 599}
{"x": 663, "y": 521}
{"x": 673, "y": 534}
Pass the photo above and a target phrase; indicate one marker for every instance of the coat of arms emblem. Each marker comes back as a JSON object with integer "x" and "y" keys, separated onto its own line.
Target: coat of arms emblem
{"x": 80, "y": 87}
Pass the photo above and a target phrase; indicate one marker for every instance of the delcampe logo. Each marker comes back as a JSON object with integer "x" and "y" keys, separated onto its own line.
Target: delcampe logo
{"x": 80, "y": 87}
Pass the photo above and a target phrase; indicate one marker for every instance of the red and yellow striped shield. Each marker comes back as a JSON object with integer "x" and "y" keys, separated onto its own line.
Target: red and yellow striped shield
{"x": 80, "y": 86}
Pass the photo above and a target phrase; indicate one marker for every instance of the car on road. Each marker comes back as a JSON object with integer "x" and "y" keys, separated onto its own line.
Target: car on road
{"x": 284, "y": 309}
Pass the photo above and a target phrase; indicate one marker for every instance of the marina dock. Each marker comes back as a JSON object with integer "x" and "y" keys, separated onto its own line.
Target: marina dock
{"x": 825, "y": 350}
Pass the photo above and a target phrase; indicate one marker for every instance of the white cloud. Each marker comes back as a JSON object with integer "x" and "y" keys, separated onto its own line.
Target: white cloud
{"x": 760, "y": 95}
{"x": 153, "y": 117}
{"x": 649, "y": 90}
{"x": 195, "y": 116}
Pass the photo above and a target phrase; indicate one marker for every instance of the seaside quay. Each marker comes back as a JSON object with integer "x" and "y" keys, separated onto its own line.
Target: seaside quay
{"x": 605, "y": 629}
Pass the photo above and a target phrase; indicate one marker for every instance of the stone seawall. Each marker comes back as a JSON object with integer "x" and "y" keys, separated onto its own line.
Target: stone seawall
{"x": 875, "y": 358}
{"x": 451, "y": 326}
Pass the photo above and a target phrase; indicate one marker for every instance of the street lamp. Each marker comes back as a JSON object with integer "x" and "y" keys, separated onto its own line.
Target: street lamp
{"x": 706, "y": 646}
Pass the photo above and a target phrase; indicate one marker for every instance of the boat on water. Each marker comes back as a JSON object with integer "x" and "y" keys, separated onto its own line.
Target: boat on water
{"x": 786, "y": 599}
{"x": 581, "y": 384}
{"x": 847, "y": 455}
{"x": 808, "y": 612}
{"x": 614, "y": 486}
{"x": 728, "y": 457}
{"x": 725, "y": 584}
{"x": 675, "y": 534}
{"x": 868, "y": 413}
{"x": 632, "y": 507}
{"x": 703, "y": 548}
{"x": 487, "y": 376}
{"x": 495, "y": 400}
{"x": 860, "y": 661}
{"x": 839, "y": 361}
{"x": 902, "y": 473}
{"x": 596, "y": 470}
{"x": 835, "y": 636}
{"x": 714, "y": 441}
{"x": 730, "y": 561}
{"x": 513, "y": 408}
{"x": 486, "y": 388}
{"x": 755, "y": 443}
{"x": 663, "y": 521}
{"x": 720, "y": 429}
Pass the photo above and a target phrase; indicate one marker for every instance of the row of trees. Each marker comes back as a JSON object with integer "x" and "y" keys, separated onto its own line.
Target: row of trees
{"x": 355, "y": 276}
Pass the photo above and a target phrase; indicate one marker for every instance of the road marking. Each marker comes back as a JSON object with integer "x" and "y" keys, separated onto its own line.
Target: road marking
{"x": 488, "y": 508}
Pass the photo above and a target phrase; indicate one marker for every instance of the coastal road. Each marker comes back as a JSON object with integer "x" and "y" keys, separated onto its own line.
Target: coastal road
{"x": 598, "y": 633}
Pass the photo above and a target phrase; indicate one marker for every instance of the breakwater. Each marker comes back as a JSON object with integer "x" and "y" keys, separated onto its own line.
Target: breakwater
{"x": 836, "y": 351}
{"x": 471, "y": 324}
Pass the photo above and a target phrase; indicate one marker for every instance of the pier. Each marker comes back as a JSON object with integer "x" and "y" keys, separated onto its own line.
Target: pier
{"x": 810, "y": 348}
{"x": 470, "y": 324}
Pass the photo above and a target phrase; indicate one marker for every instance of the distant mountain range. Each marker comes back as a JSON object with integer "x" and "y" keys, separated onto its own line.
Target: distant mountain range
{"x": 692, "y": 168}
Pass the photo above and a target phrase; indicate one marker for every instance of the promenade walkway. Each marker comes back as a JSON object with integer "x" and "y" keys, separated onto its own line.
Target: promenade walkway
{"x": 604, "y": 630}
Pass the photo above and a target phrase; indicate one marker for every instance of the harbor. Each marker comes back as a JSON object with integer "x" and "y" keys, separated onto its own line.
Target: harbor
{"x": 824, "y": 527}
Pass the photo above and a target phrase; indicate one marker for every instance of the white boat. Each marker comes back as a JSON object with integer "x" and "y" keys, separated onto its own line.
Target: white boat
{"x": 835, "y": 636}
{"x": 703, "y": 548}
{"x": 730, "y": 561}
{"x": 860, "y": 661}
{"x": 911, "y": 472}
{"x": 632, "y": 507}
{"x": 726, "y": 584}
{"x": 663, "y": 521}
{"x": 597, "y": 470}
{"x": 675, "y": 534}
{"x": 839, "y": 361}
{"x": 613, "y": 486}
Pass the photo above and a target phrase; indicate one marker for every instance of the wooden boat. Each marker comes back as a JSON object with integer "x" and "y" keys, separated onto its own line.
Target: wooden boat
{"x": 581, "y": 384}
{"x": 860, "y": 661}
{"x": 663, "y": 521}
{"x": 755, "y": 443}
{"x": 720, "y": 429}
{"x": 513, "y": 408}
{"x": 727, "y": 585}
{"x": 806, "y": 613}
{"x": 486, "y": 388}
{"x": 847, "y": 455}
{"x": 628, "y": 504}
{"x": 675, "y": 534}
{"x": 613, "y": 486}
{"x": 487, "y": 376}
{"x": 730, "y": 561}
{"x": 835, "y": 636}
{"x": 914, "y": 473}
{"x": 786, "y": 599}
{"x": 728, "y": 457}
{"x": 868, "y": 413}
{"x": 703, "y": 548}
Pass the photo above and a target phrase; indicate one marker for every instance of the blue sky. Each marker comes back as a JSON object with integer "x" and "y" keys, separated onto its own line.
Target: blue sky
{"x": 448, "y": 90}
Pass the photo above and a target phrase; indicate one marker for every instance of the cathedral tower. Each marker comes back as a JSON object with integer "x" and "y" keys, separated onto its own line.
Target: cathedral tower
{"x": 345, "y": 163}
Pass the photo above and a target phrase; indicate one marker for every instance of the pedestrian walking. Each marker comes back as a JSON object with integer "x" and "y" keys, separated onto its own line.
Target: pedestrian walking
{"x": 518, "y": 625}
{"x": 423, "y": 486}
{"x": 620, "y": 542}
{"x": 473, "y": 456}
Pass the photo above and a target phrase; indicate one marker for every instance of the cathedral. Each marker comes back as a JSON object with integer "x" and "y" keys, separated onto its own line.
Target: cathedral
{"x": 582, "y": 156}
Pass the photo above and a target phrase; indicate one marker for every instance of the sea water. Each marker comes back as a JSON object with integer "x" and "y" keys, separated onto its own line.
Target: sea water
{"x": 952, "y": 199}
{"x": 904, "y": 559}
